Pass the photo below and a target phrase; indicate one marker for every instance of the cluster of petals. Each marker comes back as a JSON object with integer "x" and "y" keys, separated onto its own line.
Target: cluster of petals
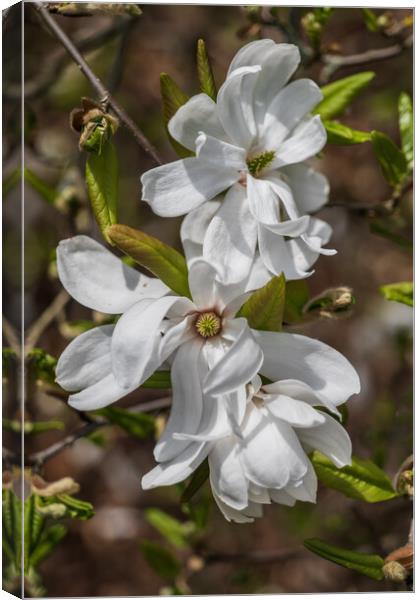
{"x": 253, "y": 144}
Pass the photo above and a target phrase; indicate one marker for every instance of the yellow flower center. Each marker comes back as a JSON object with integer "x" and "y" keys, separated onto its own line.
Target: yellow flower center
{"x": 208, "y": 324}
{"x": 256, "y": 164}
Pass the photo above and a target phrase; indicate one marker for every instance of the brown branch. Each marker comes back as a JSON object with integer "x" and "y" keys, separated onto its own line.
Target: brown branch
{"x": 96, "y": 83}
{"x": 49, "y": 314}
{"x": 11, "y": 335}
{"x": 333, "y": 62}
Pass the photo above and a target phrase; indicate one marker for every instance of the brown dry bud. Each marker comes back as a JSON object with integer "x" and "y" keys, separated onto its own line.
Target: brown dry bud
{"x": 394, "y": 571}
{"x": 66, "y": 485}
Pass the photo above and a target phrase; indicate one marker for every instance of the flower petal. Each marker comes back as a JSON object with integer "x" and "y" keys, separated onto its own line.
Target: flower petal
{"x": 226, "y": 474}
{"x": 239, "y": 363}
{"x": 230, "y": 513}
{"x": 179, "y": 187}
{"x": 194, "y": 227}
{"x": 293, "y": 356}
{"x": 277, "y": 256}
{"x": 199, "y": 113}
{"x": 220, "y": 153}
{"x": 310, "y": 189}
{"x": 305, "y": 141}
{"x": 231, "y": 237}
{"x": 178, "y": 469}
{"x": 294, "y": 412}
{"x": 234, "y": 105}
{"x": 306, "y": 490}
{"x": 331, "y": 439}
{"x": 187, "y": 403}
{"x": 304, "y": 255}
{"x": 136, "y": 338}
{"x": 288, "y": 107}
{"x": 100, "y": 394}
{"x": 86, "y": 360}
{"x": 99, "y": 280}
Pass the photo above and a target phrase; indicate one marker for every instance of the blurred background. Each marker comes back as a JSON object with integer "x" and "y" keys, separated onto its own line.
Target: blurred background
{"x": 102, "y": 556}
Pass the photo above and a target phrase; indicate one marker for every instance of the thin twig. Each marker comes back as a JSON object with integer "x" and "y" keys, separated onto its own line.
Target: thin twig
{"x": 334, "y": 62}
{"x": 96, "y": 83}
{"x": 11, "y": 335}
{"x": 49, "y": 314}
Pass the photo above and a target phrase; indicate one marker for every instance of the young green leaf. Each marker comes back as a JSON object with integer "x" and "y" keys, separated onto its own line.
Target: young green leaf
{"x": 136, "y": 424}
{"x": 172, "y": 99}
{"x": 42, "y": 365}
{"x": 265, "y": 307}
{"x": 362, "y": 480}
{"x": 371, "y": 20}
{"x": 297, "y": 295}
{"x": 198, "y": 479}
{"x": 392, "y": 161}
{"x": 339, "y": 94}
{"x": 156, "y": 256}
{"x": 75, "y": 508}
{"x": 204, "y": 70}
{"x": 405, "y": 110}
{"x": 399, "y": 292}
{"x": 159, "y": 380}
{"x": 102, "y": 185}
{"x": 367, "y": 564}
{"x": 47, "y": 542}
{"x": 162, "y": 561}
{"x": 343, "y": 135}
{"x": 172, "y": 529}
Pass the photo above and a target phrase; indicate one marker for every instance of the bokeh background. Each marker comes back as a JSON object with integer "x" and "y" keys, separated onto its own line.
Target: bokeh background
{"x": 102, "y": 556}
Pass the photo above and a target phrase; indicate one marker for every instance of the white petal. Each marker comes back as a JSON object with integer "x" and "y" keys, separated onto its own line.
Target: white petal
{"x": 234, "y": 105}
{"x": 294, "y": 412}
{"x": 303, "y": 255}
{"x": 331, "y": 439}
{"x": 194, "y": 227}
{"x": 282, "y": 497}
{"x": 310, "y": 189}
{"x": 251, "y": 54}
{"x": 305, "y": 141}
{"x": 299, "y": 391}
{"x": 135, "y": 343}
{"x": 86, "y": 360}
{"x": 239, "y": 363}
{"x": 178, "y": 469}
{"x": 272, "y": 455}
{"x": 285, "y": 195}
{"x": 219, "y": 153}
{"x": 306, "y": 490}
{"x": 199, "y": 113}
{"x": 231, "y": 237}
{"x": 100, "y": 394}
{"x": 290, "y": 105}
{"x": 231, "y": 514}
{"x": 179, "y": 187}
{"x": 259, "y": 494}
{"x": 176, "y": 335}
{"x": 187, "y": 402}
{"x": 202, "y": 281}
{"x": 292, "y": 356}
{"x": 99, "y": 280}
{"x": 214, "y": 423}
{"x": 226, "y": 473}
{"x": 263, "y": 201}
{"x": 277, "y": 256}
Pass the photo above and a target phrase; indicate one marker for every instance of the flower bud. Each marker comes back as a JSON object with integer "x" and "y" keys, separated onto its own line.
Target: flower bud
{"x": 66, "y": 485}
{"x": 332, "y": 303}
{"x": 54, "y": 510}
{"x": 94, "y": 125}
{"x": 394, "y": 571}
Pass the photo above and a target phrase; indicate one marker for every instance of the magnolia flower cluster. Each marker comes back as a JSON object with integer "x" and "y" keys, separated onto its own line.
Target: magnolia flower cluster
{"x": 254, "y": 403}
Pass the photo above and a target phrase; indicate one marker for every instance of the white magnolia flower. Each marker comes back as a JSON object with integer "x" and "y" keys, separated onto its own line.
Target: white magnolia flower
{"x": 264, "y": 458}
{"x": 212, "y": 354}
{"x": 253, "y": 142}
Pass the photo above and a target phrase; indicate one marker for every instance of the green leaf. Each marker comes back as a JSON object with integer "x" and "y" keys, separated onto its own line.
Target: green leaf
{"x": 12, "y": 525}
{"x": 371, "y": 20}
{"x": 76, "y": 509}
{"x": 339, "y": 94}
{"x": 362, "y": 479}
{"x": 205, "y": 73}
{"x": 399, "y": 292}
{"x": 172, "y": 99}
{"x": 156, "y": 256}
{"x": 10, "y": 181}
{"x": 136, "y": 424}
{"x": 172, "y": 529}
{"x": 343, "y": 135}
{"x": 43, "y": 189}
{"x": 265, "y": 307}
{"x": 199, "y": 478}
{"x": 405, "y": 110}
{"x": 392, "y": 160}
{"x": 162, "y": 561}
{"x": 47, "y": 542}
{"x": 160, "y": 380}
{"x": 32, "y": 426}
{"x": 367, "y": 564}
{"x": 43, "y": 365}
{"x": 102, "y": 185}
{"x": 297, "y": 295}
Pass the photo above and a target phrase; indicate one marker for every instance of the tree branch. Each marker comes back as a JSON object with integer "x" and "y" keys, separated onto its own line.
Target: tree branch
{"x": 11, "y": 335}
{"x": 96, "y": 83}
{"x": 49, "y": 314}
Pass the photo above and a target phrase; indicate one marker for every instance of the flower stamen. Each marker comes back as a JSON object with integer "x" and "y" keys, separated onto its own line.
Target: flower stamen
{"x": 208, "y": 324}
{"x": 256, "y": 164}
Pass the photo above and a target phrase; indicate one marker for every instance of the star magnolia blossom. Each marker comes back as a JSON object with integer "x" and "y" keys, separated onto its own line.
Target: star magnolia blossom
{"x": 264, "y": 459}
{"x": 212, "y": 354}
{"x": 253, "y": 142}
